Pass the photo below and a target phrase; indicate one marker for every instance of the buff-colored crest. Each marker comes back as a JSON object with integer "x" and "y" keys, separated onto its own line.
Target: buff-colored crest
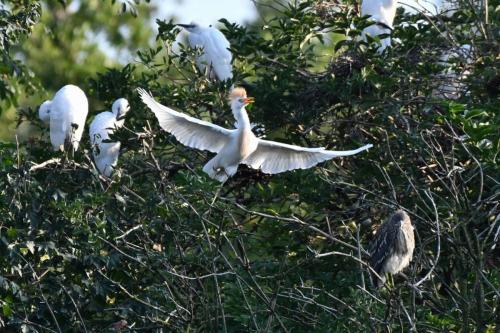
{"x": 237, "y": 92}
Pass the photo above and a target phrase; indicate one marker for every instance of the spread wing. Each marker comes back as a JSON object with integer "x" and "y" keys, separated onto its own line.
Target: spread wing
{"x": 189, "y": 131}
{"x": 275, "y": 157}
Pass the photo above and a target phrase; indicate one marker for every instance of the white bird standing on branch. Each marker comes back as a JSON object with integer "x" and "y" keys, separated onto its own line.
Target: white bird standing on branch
{"x": 239, "y": 145}
{"x": 66, "y": 114}
{"x": 216, "y": 55}
{"x": 383, "y": 13}
{"x": 106, "y": 153}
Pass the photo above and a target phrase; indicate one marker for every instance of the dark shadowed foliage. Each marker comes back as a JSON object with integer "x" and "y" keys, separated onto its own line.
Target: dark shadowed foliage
{"x": 161, "y": 246}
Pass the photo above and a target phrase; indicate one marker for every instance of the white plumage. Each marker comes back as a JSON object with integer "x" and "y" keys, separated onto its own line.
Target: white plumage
{"x": 382, "y": 12}
{"x": 66, "y": 114}
{"x": 237, "y": 145}
{"x": 106, "y": 153}
{"x": 451, "y": 81}
{"x": 216, "y": 54}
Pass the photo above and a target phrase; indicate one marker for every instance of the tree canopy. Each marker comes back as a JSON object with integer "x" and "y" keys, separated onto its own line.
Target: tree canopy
{"x": 162, "y": 246}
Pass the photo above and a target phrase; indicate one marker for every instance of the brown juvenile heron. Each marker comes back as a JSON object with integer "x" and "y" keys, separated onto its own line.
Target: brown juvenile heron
{"x": 392, "y": 248}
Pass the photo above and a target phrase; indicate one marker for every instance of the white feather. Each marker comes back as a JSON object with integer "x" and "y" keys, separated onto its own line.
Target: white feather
{"x": 239, "y": 145}
{"x": 67, "y": 110}
{"x": 216, "y": 54}
{"x": 275, "y": 157}
{"x": 106, "y": 153}
{"x": 380, "y": 11}
{"x": 451, "y": 82}
{"x": 192, "y": 132}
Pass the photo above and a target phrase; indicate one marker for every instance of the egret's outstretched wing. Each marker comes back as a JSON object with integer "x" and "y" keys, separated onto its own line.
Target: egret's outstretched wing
{"x": 275, "y": 157}
{"x": 192, "y": 132}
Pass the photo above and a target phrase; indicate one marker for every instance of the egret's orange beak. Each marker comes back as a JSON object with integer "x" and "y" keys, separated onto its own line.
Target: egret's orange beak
{"x": 249, "y": 100}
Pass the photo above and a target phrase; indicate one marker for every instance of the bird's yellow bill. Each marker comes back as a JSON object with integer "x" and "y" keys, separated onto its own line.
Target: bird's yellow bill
{"x": 249, "y": 100}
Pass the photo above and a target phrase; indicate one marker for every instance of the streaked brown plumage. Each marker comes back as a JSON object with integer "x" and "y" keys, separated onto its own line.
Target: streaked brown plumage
{"x": 392, "y": 248}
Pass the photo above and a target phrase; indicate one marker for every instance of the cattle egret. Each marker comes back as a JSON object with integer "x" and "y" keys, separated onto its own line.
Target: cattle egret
{"x": 104, "y": 124}
{"x": 383, "y": 13}
{"x": 66, "y": 114}
{"x": 392, "y": 249}
{"x": 216, "y": 54}
{"x": 239, "y": 145}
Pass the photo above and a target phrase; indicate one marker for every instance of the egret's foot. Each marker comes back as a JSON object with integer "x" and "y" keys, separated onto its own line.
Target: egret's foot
{"x": 220, "y": 170}
{"x": 221, "y": 174}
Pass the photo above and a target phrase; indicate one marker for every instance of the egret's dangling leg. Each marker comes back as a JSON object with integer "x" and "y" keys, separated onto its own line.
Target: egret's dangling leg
{"x": 217, "y": 194}
{"x": 225, "y": 177}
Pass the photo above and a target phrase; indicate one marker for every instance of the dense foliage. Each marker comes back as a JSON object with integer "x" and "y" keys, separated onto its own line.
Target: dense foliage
{"x": 160, "y": 245}
{"x": 15, "y": 24}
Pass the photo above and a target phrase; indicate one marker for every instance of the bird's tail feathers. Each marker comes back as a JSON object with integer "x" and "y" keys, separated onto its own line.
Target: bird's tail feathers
{"x": 213, "y": 173}
{"x": 218, "y": 173}
{"x": 209, "y": 169}
{"x": 221, "y": 176}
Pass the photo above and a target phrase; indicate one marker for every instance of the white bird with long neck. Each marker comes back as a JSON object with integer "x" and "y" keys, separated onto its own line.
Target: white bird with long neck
{"x": 239, "y": 145}
{"x": 216, "y": 55}
{"x": 105, "y": 123}
{"x": 66, "y": 114}
{"x": 383, "y": 13}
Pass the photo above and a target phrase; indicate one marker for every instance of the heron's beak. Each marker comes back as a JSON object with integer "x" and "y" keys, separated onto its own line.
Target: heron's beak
{"x": 249, "y": 100}
{"x": 185, "y": 26}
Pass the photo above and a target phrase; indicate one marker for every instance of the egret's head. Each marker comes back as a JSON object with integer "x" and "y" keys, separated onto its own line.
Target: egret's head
{"x": 120, "y": 108}
{"x": 238, "y": 98}
{"x": 44, "y": 111}
{"x": 191, "y": 27}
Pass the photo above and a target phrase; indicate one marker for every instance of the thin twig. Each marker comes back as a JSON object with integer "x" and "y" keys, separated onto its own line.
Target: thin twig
{"x": 438, "y": 245}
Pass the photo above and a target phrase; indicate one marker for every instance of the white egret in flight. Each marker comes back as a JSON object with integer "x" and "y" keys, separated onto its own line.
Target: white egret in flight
{"x": 66, "y": 114}
{"x": 106, "y": 153}
{"x": 216, "y": 55}
{"x": 239, "y": 145}
{"x": 383, "y": 13}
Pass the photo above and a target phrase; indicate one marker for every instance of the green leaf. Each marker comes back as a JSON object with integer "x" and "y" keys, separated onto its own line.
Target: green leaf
{"x": 7, "y": 312}
{"x": 11, "y": 233}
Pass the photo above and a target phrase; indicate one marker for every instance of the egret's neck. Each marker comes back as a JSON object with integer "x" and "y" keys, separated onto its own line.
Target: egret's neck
{"x": 119, "y": 123}
{"x": 242, "y": 117}
{"x": 44, "y": 111}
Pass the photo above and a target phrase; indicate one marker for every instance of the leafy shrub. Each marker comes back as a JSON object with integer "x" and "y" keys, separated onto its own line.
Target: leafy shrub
{"x": 162, "y": 246}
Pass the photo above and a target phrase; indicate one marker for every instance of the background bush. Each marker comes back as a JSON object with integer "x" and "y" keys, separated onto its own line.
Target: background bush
{"x": 162, "y": 246}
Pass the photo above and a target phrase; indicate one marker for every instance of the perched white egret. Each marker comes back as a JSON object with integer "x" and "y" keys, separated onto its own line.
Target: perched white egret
{"x": 216, "y": 54}
{"x": 383, "y": 13}
{"x": 66, "y": 114}
{"x": 104, "y": 124}
{"x": 239, "y": 145}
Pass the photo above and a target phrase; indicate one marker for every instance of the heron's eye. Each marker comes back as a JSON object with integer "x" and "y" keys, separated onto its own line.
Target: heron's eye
{"x": 241, "y": 100}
